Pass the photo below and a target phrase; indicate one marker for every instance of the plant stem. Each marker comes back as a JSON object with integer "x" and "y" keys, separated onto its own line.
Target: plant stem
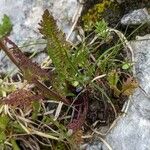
{"x": 48, "y": 92}
{"x": 9, "y": 53}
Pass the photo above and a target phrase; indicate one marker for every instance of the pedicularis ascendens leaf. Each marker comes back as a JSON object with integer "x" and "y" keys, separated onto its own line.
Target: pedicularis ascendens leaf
{"x": 58, "y": 50}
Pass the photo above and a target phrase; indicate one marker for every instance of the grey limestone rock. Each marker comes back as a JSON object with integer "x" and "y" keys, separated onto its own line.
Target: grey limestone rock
{"x": 132, "y": 132}
{"x": 136, "y": 17}
{"x": 25, "y": 16}
{"x": 95, "y": 145}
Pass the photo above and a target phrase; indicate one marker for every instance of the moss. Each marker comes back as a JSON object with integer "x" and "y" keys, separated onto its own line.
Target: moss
{"x": 94, "y": 14}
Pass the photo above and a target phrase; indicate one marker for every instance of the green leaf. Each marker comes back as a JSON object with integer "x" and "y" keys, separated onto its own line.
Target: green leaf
{"x": 57, "y": 46}
{"x": 5, "y": 27}
{"x": 126, "y": 66}
{"x": 60, "y": 146}
{"x": 113, "y": 78}
{"x": 2, "y": 136}
{"x": 17, "y": 128}
{"x": 101, "y": 29}
{"x": 14, "y": 145}
{"x": 46, "y": 120}
{"x": 71, "y": 65}
{"x": 3, "y": 122}
{"x": 36, "y": 108}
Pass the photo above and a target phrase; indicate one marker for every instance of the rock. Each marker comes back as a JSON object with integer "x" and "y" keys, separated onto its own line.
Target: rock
{"x": 40, "y": 57}
{"x": 96, "y": 145}
{"x": 6, "y": 66}
{"x": 132, "y": 132}
{"x": 136, "y": 17}
{"x": 146, "y": 37}
{"x": 120, "y": 1}
{"x": 26, "y": 14}
{"x": 29, "y": 13}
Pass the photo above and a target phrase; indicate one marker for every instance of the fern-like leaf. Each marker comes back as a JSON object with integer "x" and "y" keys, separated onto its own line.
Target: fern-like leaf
{"x": 58, "y": 48}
